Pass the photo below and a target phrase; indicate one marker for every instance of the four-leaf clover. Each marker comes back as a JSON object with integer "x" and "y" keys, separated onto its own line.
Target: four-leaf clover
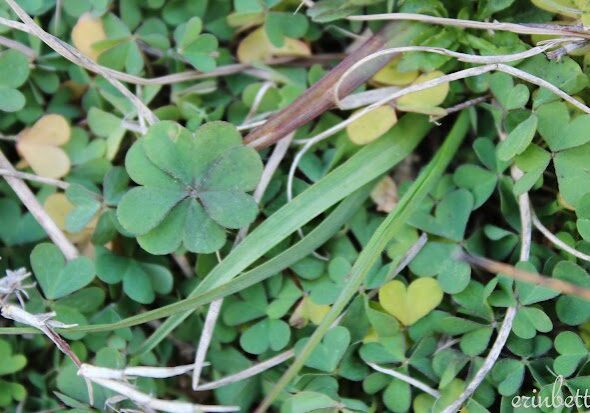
{"x": 192, "y": 186}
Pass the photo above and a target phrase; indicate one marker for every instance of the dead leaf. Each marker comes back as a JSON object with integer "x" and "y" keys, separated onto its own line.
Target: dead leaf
{"x": 390, "y": 75}
{"x": 371, "y": 125}
{"x": 87, "y": 31}
{"x": 58, "y": 206}
{"x": 40, "y": 146}
{"x": 385, "y": 194}
{"x": 256, "y": 47}
{"x": 425, "y": 101}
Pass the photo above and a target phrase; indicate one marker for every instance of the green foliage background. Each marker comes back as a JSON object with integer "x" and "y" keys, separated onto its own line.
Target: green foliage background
{"x": 166, "y": 218}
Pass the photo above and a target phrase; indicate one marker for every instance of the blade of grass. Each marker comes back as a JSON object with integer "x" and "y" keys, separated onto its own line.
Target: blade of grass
{"x": 319, "y": 235}
{"x": 369, "y": 163}
{"x": 409, "y": 203}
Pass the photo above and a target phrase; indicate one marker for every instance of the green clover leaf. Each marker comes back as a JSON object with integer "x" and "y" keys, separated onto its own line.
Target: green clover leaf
{"x": 198, "y": 48}
{"x": 191, "y": 187}
{"x": 141, "y": 280}
{"x": 572, "y": 351}
{"x": 11, "y": 363}
{"x": 14, "y": 71}
{"x": 57, "y": 277}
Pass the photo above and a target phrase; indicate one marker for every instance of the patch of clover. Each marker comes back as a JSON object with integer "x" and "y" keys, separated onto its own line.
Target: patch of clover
{"x": 191, "y": 187}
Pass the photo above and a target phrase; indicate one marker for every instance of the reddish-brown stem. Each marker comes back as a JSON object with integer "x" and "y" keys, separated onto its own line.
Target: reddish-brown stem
{"x": 319, "y": 97}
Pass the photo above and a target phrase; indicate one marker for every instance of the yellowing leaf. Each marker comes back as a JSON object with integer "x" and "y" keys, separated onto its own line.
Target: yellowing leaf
{"x": 385, "y": 194}
{"x": 39, "y": 146}
{"x": 87, "y": 31}
{"x": 307, "y": 311}
{"x": 389, "y": 75}
{"x": 58, "y": 206}
{"x": 371, "y": 336}
{"x": 425, "y": 101}
{"x": 371, "y": 125}
{"x": 409, "y": 304}
{"x": 256, "y": 47}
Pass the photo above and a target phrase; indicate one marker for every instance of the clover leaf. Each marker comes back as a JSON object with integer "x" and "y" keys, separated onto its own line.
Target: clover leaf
{"x": 14, "y": 71}
{"x": 192, "y": 186}
{"x": 141, "y": 280}
{"x": 198, "y": 48}
{"x": 57, "y": 277}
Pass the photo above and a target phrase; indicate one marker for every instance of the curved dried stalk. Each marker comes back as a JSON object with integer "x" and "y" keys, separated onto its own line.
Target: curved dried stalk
{"x": 462, "y": 57}
{"x": 405, "y": 378}
{"x": 557, "y": 242}
{"x": 488, "y": 363}
{"x": 73, "y": 55}
{"x": 504, "y": 332}
{"x": 519, "y": 28}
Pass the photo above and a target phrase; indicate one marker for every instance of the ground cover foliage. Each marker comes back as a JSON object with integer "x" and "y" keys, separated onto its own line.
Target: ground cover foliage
{"x": 198, "y": 212}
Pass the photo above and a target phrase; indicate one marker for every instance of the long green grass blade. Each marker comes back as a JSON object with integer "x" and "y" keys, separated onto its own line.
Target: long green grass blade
{"x": 319, "y": 235}
{"x": 368, "y": 256}
{"x": 369, "y": 163}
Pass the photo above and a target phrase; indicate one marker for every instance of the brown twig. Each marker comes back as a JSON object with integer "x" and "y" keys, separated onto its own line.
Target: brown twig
{"x": 508, "y": 270}
{"x": 319, "y": 98}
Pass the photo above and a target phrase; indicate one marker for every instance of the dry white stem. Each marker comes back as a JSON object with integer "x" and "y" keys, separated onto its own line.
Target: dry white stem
{"x": 447, "y": 344}
{"x": 472, "y": 24}
{"x": 258, "y": 99}
{"x": 90, "y": 371}
{"x": 45, "y": 323}
{"x": 461, "y": 74}
{"x": 557, "y": 242}
{"x": 462, "y": 57}
{"x": 183, "y": 264}
{"x": 251, "y": 125}
{"x": 32, "y": 204}
{"x": 182, "y": 76}
{"x": 525, "y": 251}
{"x": 404, "y": 377}
{"x": 488, "y": 363}
{"x": 365, "y": 98}
{"x": 132, "y": 126}
{"x": 9, "y": 138}
{"x": 13, "y": 44}
{"x": 249, "y": 372}
{"x": 73, "y": 55}
{"x": 34, "y": 178}
{"x": 406, "y": 260}
{"x": 275, "y": 159}
{"x": 170, "y": 406}
{"x": 13, "y": 282}
{"x": 38, "y": 321}
{"x": 524, "y": 208}
{"x": 42, "y": 322}
{"x": 460, "y": 106}
{"x": 411, "y": 254}
{"x": 521, "y": 74}
{"x": 309, "y": 142}
{"x": 205, "y": 340}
